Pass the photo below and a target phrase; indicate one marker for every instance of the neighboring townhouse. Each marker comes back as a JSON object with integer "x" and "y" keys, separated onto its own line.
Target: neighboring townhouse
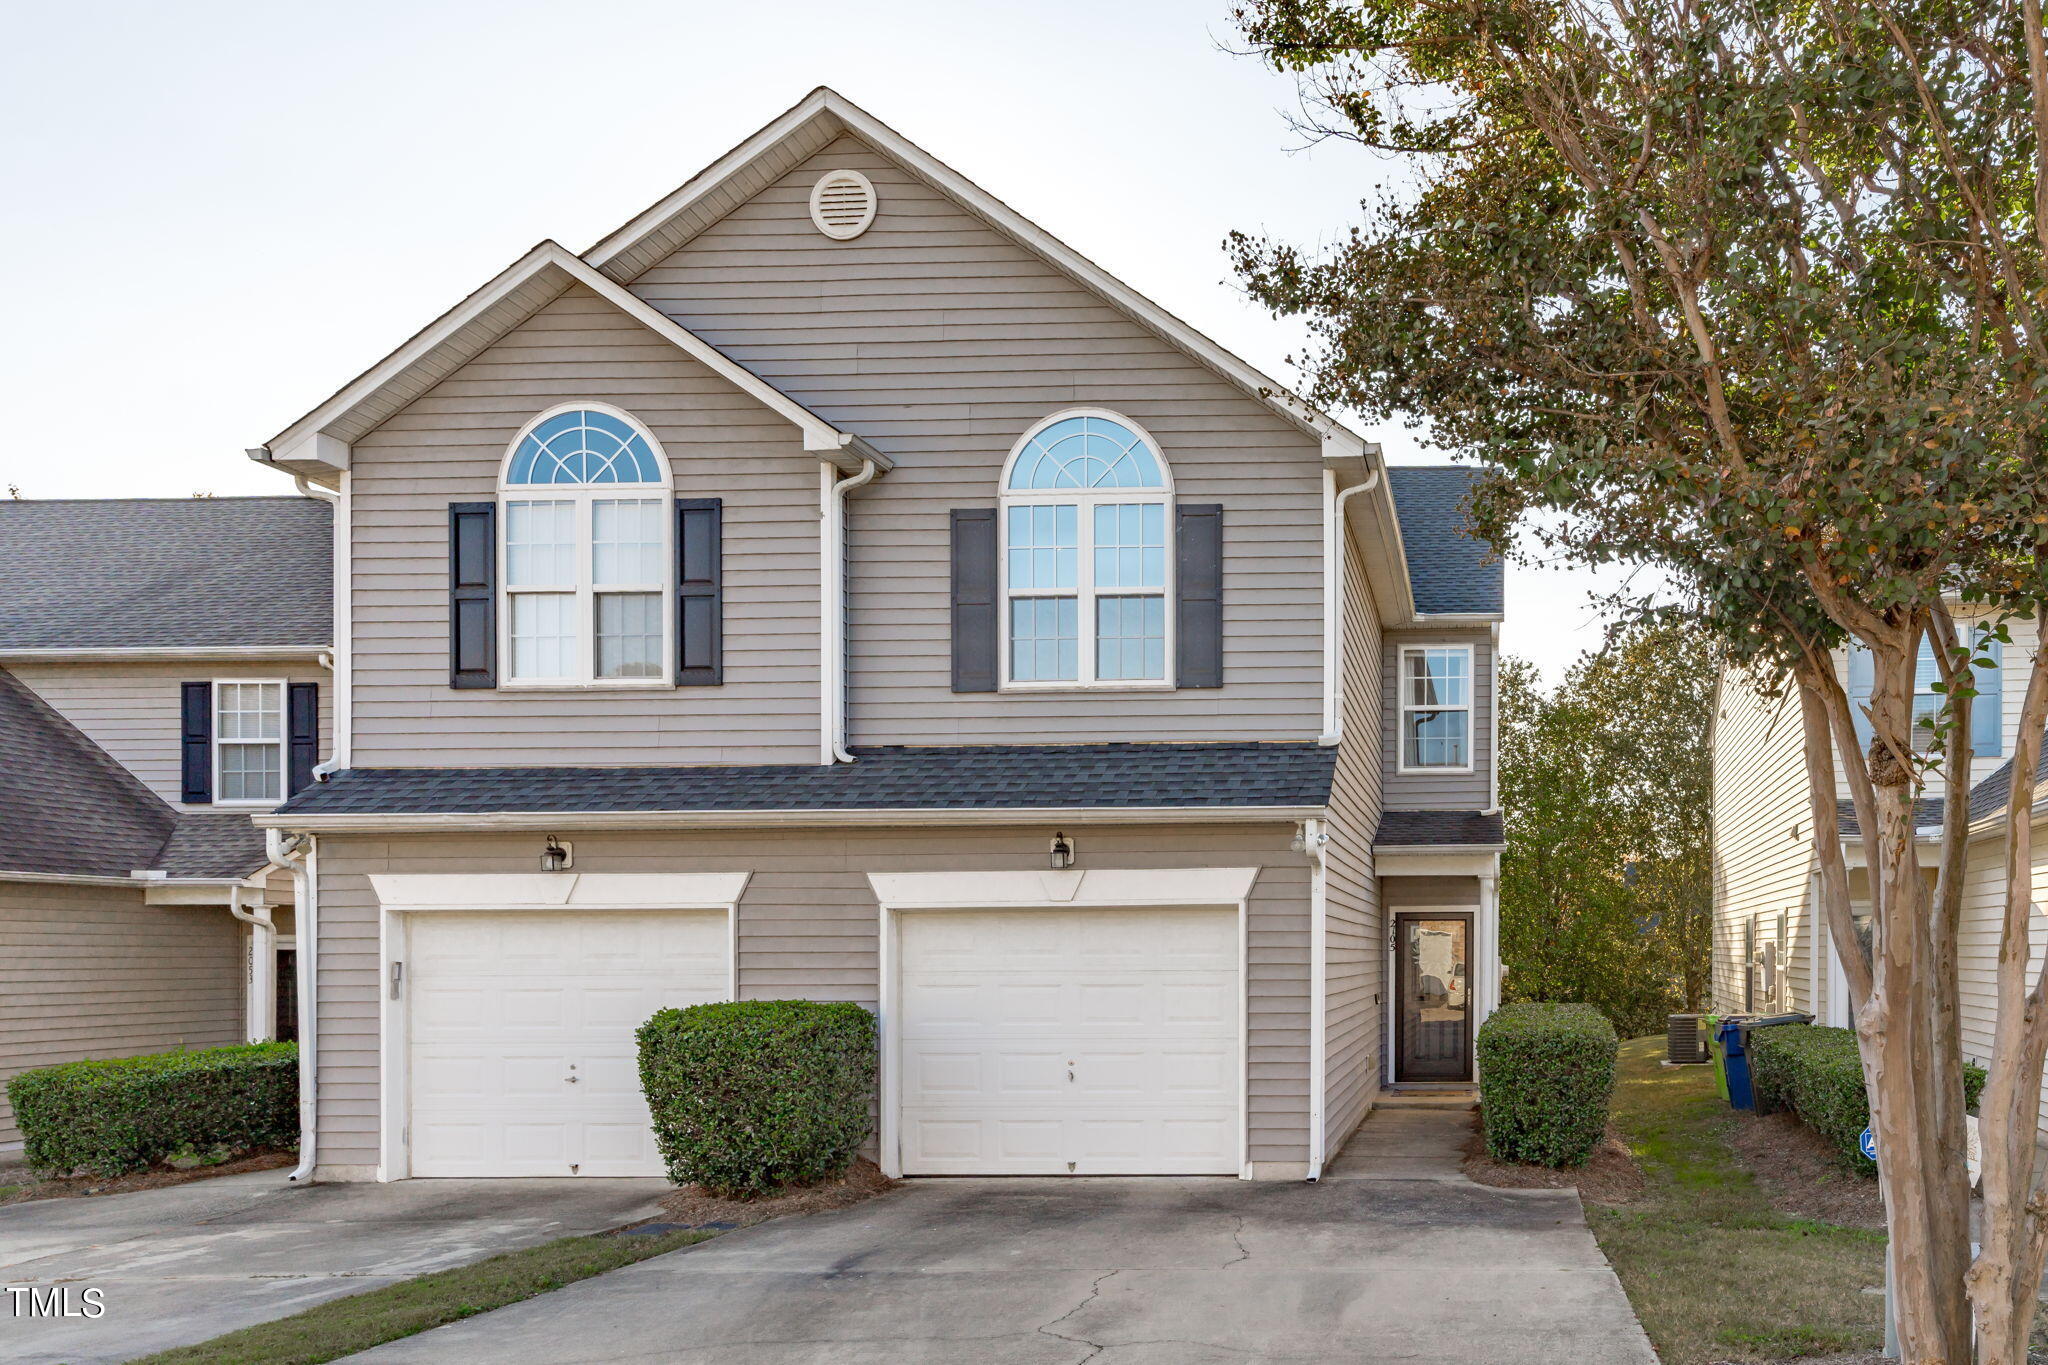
{"x": 1772, "y": 950}
{"x": 161, "y": 680}
{"x": 832, "y": 586}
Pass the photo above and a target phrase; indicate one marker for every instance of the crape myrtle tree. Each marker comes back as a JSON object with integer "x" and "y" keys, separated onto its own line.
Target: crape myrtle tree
{"x": 1606, "y": 889}
{"x": 1750, "y": 291}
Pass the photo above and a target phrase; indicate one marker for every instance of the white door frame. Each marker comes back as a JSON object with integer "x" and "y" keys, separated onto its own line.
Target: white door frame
{"x": 1194, "y": 888}
{"x": 402, "y": 895}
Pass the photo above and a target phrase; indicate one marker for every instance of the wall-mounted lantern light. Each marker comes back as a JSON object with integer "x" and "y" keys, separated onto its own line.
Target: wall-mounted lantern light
{"x": 556, "y": 856}
{"x": 1062, "y": 852}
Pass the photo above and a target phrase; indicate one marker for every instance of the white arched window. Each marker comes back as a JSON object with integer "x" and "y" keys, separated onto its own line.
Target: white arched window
{"x": 1087, "y": 555}
{"x": 588, "y": 595}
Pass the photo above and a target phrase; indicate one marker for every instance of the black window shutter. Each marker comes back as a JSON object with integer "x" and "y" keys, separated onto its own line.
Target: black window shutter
{"x": 196, "y": 747}
{"x": 303, "y": 712}
{"x": 472, "y": 594}
{"x": 975, "y": 652}
{"x": 700, "y": 592}
{"x": 1198, "y": 582}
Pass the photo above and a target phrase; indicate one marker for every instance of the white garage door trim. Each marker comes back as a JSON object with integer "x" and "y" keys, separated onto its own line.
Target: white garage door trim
{"x": 402, "y": 895}
{"x": 900, "y": 893}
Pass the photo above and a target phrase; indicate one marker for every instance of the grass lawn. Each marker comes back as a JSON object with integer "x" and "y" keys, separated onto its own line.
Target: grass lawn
{"x": 1714, "y": 1272}
{"x": 345, "y": 1326}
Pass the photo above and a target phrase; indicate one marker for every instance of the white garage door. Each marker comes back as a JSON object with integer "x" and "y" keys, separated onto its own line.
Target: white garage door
{"x": 523, "y": 1060}
{"x": 1050, "y": 1042}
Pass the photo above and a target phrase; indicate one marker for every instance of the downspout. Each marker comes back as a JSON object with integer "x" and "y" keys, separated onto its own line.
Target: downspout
{"x": 336, "y": 659}
{"x": 1333, "y": 600}
{"x": 1314, "y": 835}
{"x": 832, "y": 610}
{"x": 262, "y": 964}
{"x": 300, "y": 854}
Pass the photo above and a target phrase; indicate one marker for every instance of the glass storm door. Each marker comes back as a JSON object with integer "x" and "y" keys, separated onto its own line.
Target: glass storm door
{"x": 1433, "y": 1004}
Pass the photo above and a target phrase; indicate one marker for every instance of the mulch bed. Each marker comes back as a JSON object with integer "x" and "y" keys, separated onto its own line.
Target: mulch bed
{"x": 1610, "y": 1176}
{"x": 694, "y": 1207}
{"x": 1802, "y": 1173}
{"x": 156, "y": 1177}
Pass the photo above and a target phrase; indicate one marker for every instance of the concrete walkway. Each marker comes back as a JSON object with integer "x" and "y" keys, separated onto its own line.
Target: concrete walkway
{"x": 180, "y": 1265}
{"x": 1395, "y": 1256}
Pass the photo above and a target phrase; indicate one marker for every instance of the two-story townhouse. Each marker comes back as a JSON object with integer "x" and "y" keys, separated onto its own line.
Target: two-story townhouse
{"x": 1772, "y": 947}
{"x": 161, "y": 680}
{"x": 830, "y": 585}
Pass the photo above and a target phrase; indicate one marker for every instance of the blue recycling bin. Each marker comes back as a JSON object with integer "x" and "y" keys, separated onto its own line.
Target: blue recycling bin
{"x": 1728, "y": 1033}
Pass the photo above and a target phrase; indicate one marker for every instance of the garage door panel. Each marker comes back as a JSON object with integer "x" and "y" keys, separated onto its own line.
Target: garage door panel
{"x": 1049, "y": 1041}
{"x": 504, "y": 1009}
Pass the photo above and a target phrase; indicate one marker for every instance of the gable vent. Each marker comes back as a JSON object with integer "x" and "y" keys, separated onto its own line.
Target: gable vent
{"x": 843, "y": 204}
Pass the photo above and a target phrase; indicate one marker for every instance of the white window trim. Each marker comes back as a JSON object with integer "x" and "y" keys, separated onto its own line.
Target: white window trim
{"x": 283, "y": 742}
{"x": 1403, "y": 706}
{"x": 1084, "y": 501}
{"x": 585, "y": 592}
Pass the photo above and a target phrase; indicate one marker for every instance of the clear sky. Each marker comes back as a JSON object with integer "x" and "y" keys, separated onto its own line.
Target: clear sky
{"x": 218, "y": 213}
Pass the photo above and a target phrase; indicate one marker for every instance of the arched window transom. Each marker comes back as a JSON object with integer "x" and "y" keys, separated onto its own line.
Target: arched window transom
{"x": 586, "y": 536}
{"x": 1087, "y": 555}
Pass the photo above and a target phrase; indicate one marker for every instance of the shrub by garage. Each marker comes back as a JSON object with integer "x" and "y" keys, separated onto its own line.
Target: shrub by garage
{"x": 1816, "y": 1074}
{"x": 1546, "y": 1074}
{"x": 752, "y": 1096}
{"x": 123, "y": 1114}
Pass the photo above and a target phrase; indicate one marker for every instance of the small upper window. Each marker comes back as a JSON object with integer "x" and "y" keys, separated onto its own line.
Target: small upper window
{"x": 1436, "y": 707}
{"x": 248, "y": 743}
{"x": 588, "y": 575}
{"x": 1087, "y": 531}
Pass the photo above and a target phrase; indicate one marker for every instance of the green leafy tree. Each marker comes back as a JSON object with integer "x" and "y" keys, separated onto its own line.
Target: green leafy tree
{"x": 1605, "y": 888}
{"x": 1750, "y": 290}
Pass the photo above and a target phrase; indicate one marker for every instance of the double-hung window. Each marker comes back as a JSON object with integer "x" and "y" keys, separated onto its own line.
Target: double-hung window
{"x": 1087, "y": 556}
{"x": 248, "y": 743}
{"x": 1987, "y": 711}
{"x": 587, "y": 558}
{"x": 1436, "y": 708}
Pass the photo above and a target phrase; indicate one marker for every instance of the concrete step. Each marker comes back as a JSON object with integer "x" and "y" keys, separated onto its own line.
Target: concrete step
{"x": 1434, "y": 1097}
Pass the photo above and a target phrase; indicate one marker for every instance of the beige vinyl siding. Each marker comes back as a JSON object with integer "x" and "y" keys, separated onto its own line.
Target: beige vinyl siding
{"x": 1431, "y": 893}
{"x": 1763, "y": 832}
{"x": 807, "y": 928}
{"x": 1439, "y": 790}
{"x": 1355, "y": 955}
{"x": 90, "y": 971}
{"x": 448, "y": 446}
{"x": 942, "y": 341}
{"x": 133, "y": 710}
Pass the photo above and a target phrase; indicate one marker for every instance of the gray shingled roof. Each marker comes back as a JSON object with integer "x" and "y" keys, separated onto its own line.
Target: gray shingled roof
{"x": 1434, "y": 828}
{"x": 211, "y": 845}
{"x": 1448, "y": 569}
{"x": 989, "y": 777}
{"x": 65, "y": 806}
{"x": 127, "y": 573}
{"x": 1986, "y": 798}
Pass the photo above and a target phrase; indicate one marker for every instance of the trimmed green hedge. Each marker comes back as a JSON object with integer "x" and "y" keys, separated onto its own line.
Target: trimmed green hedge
{"x": 1815, "y": 1073}
{"x": 1546, "y": 1073}
{"x": 126, "y": 1113}
{"x": 754, "y": 1095}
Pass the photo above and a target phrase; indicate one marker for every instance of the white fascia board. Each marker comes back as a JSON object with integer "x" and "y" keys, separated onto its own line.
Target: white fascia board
{"x": 827, "y": 103}
{"x": 68, "y": 879}
{"x": 1373, "y": 523}
{"x": 154, "y": 654}
{"x": 769, "y": 819}
{"x": 559, "y": 890}
{"x": 1458, "y": 618}
{"x": 1164, "y": 886}
{"x": 306, "y": 442}
{"x": 1426, "y": 860}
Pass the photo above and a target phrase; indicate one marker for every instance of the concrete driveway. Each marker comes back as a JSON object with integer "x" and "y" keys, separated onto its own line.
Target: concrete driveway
{"x": 1394, "y": 1256}
{"x": 186, "y": 1263}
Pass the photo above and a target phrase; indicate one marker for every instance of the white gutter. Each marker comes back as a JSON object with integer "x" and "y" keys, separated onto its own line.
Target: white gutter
{"x": 1333, "y": 600}
{"x": 67, "y": 878}
{"x": 832, "y": 609}
{"x": 262, "y": 964}
{"x": 1314, "y": 835}
{"x": 302, "y": 857}
{"x": 167, "y": 654}
{"x": 391, "y": 823}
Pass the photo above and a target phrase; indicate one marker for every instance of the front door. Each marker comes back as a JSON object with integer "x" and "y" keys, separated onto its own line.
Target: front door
{"x": 1433, "y": 1000}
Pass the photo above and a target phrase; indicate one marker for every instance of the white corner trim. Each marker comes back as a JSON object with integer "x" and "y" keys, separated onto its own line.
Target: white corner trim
{"x": 415, "y": 891}
{"x": 1117, "y": 886}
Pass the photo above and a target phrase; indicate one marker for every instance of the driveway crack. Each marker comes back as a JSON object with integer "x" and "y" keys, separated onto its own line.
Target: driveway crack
{"x": 1095, "y": 1348}
{"x": 1237, "y": 1236}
